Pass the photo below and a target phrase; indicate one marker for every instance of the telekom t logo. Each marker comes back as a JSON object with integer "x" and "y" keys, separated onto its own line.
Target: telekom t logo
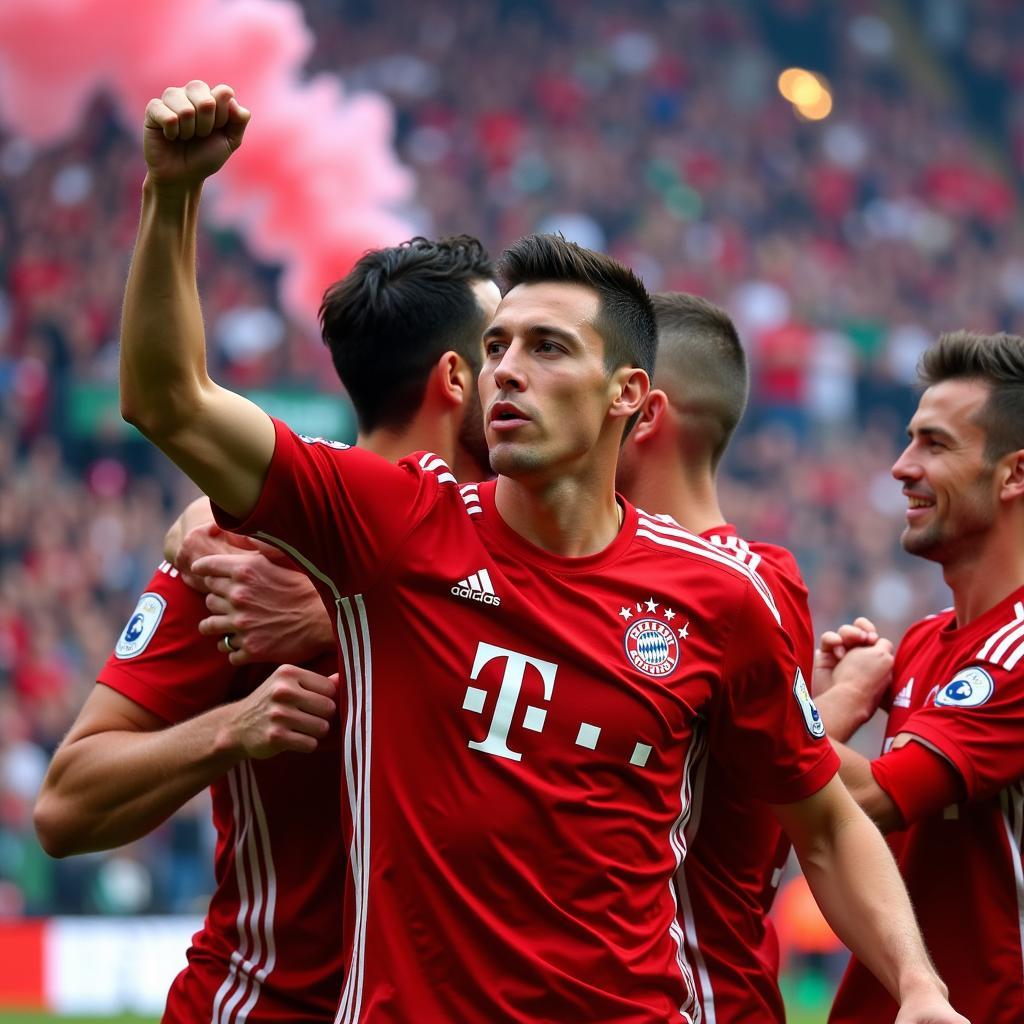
{"x": 496, "y": 740}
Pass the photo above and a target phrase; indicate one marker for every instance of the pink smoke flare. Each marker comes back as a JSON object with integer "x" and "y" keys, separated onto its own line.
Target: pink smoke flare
{"x": 315, "y": 183}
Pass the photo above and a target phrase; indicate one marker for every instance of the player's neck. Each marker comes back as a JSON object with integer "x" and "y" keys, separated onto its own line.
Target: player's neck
{"x": 567, "y": 517}
{"x": 421, "y": 434}
{"x": 689, "y": 497}
{"x": 986, "y": 576}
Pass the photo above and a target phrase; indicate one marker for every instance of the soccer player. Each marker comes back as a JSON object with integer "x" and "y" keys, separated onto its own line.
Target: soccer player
{"x": 670, "y": 463}
{"x": 404, "y": 328}
{"x": 949, "y": 785}
{"x": 530, "y": 667}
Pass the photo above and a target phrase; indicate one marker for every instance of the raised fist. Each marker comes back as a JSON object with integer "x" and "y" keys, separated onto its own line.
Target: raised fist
{"x": 190, "y": 132}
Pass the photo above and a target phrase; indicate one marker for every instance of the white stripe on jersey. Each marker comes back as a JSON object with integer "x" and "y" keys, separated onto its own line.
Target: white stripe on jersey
{"x": 254, "y": 959}
{"x": 677, "y": 840}
{"x": 1018, "y": 611}
{"x": 738, "y": 548}
{"x": 705, "y": 1005}
{"x": 354, "y": 641}
{"x": 1012, "y": 639}
{"x": 1014, "y": 657}
{"x": 269, "y": 908}
{"x": 431, "y": 463}
{"x": 1012, "y": 800}
{"x": 471, "y": 497}
{"x": 353, "y": 631}
{"x": 676, "y": 537}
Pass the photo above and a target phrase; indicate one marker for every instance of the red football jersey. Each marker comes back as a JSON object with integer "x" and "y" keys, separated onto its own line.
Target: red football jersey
{"x": 731, "y": 873}
{"x": 519, "y": 739}
{"x": 270, "y": 948}
{"x": 961, "y": 693}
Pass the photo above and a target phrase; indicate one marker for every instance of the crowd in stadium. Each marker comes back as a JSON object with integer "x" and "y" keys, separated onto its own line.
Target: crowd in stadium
{"x": 841, "y": 248}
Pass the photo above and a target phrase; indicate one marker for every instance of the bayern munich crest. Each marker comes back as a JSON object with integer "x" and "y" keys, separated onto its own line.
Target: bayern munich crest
{"x": 652, "y": 639}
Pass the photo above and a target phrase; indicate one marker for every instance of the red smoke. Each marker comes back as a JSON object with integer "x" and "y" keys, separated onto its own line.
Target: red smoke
{"x": 315, "y": 181}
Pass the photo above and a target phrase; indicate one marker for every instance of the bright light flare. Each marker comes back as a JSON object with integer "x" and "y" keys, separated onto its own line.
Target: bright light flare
{"x": 808, "y": 91}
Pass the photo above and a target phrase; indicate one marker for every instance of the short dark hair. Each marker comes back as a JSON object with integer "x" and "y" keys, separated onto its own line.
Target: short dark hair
{"x": 700, "y": 347}
{"x": 625, "y": 316}
{"x": 995, "y": 359}
{"x": 390, "y": 319}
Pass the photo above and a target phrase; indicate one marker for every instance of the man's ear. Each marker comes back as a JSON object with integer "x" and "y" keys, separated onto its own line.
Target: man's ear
{"x": 632, "y": 388}
{"x": 1011, "y": 476}
{"x": 652, "y": 416}
{"x": 453, "y": 378}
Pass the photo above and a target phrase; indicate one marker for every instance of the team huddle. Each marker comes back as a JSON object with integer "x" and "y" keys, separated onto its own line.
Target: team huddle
{"x": 502, "y": 719}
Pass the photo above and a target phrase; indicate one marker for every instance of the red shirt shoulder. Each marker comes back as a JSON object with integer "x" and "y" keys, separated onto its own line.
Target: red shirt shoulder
{"x": 160, "y": 660}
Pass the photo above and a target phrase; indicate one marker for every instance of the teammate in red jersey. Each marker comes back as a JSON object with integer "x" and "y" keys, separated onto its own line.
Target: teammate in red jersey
{"x": 530, "y": 667}
{"x": 669, "y": 464}
{"x": 950, "y": 783}
{"x": 271, "y": 946}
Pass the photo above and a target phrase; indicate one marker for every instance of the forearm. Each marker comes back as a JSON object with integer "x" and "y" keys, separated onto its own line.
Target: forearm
{"x": 110, "y": 788}
{"x": 843, "y": 712}
{"x": 220, "y": 439}
{"x": 163, "y": 347}
{"x": 855, "y": 771}
{"x": 857, "y": 885}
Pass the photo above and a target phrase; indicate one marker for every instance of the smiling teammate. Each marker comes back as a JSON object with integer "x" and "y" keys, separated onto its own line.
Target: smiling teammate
{"x": 949, "y": 786}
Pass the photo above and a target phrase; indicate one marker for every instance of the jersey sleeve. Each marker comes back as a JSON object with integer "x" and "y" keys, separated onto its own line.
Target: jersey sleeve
{"x": 767, "y": 729}
{"x": 780, "y": 570}
{"x": 976, "y": 722}
{"x": 339, "y": 511}
{"x": 918, "y": 781}
{"x": 161, "y": 661}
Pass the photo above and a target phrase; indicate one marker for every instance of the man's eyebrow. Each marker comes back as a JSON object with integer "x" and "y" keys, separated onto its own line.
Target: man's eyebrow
{"x": 499, "y": 331}
{"x": 927, "y": 431}
{"x": 556, "y": 332}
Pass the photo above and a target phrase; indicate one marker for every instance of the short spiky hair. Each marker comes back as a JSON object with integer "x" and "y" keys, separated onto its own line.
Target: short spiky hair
{"x": 625, "y": 318}
{"x": 398, "y": 310}
{"x": 698, "y": 346}
{"x": 995, "y": 359}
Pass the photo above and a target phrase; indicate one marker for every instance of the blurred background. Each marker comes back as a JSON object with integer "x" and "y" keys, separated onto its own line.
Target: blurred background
{"x": 844, "y": 177}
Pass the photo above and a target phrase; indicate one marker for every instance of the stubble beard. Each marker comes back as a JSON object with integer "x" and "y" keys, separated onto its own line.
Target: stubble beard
{"x": 945, "y": 540}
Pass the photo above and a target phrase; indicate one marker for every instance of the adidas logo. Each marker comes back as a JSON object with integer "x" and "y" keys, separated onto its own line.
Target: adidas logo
{"x": 477, "y": 587}
{"x": 902, "y": 699}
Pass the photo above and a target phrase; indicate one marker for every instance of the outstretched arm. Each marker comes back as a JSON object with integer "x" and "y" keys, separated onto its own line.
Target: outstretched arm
{"x": 121, "y": 770}
{"x": 857, "y": 885}
{"x": 220, "y": 439}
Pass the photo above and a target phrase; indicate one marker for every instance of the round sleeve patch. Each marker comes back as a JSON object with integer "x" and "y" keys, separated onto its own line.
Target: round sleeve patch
{"x": 141, "y": 626}
{"x": 969, "y": 688}
{"x": 812, "y": 719}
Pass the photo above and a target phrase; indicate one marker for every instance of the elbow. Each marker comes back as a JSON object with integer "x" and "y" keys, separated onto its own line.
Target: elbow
{"x": 878, "y": 806}
{"x": 161, "y": 416}
{"x": 52, "y": 827}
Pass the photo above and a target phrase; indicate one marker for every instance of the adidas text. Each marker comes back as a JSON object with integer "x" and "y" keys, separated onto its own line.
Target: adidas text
{"x": 476, "y": 595}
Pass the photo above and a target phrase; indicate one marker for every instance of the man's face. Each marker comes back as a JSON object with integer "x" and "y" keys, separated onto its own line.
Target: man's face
{"x": 950, "y": 487}
{"x": 544, "y": 387}
{"x": 471, "y": 431}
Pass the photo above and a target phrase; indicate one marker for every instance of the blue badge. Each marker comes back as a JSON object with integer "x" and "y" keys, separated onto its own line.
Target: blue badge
{"x": 141, "y": 626}
{"x": 812, "y": 718}
{"x": 969, "y": 688}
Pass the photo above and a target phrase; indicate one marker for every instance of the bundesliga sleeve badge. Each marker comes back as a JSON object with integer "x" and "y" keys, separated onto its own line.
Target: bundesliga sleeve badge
{"x": 141, "y": 626}
{"x": 652, "y": 640}
{"x": 812, "y": 719}
{"x": 969, "y": 688}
